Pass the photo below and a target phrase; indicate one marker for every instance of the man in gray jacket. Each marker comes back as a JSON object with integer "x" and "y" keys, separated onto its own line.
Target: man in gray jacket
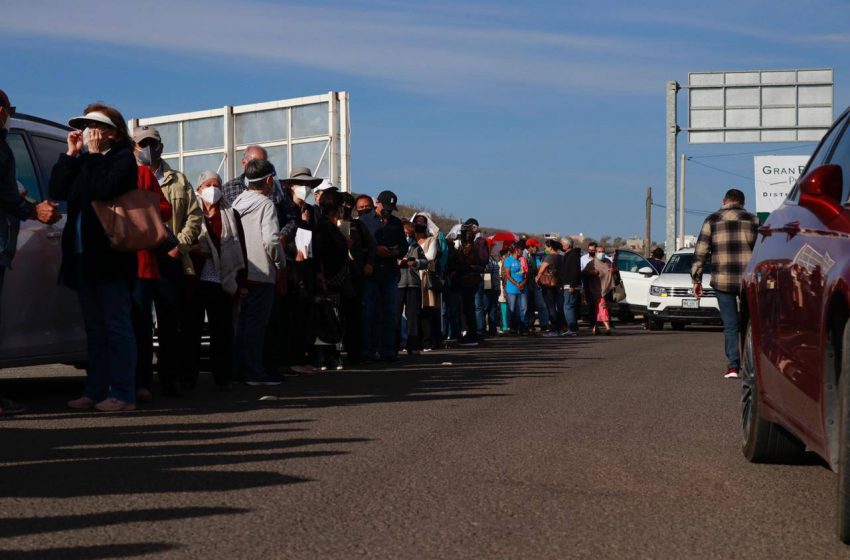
{"x": 265, "y": 258}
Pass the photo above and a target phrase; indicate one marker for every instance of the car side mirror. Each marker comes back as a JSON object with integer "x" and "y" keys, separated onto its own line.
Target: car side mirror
{"x": 820, "y": 192}
{"x": 647, "y": 271}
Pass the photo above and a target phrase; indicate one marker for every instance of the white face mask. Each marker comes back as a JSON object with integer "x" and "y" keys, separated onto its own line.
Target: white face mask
{"x": 211, "y": 195}
{"x": 600, "y": 256}
{"x": 301, "y": 192}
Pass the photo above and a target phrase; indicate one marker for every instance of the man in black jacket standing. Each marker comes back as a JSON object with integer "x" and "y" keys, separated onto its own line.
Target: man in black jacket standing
{"x": 13, "y": 209}
{"x": 569, "y": 277}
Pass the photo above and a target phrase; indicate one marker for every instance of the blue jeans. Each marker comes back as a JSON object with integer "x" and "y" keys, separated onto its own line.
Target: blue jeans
{"x": 517, "y": 311}
{"x": 487, "y": 310}
{"x": 143, "y": 329}
{"x": 571, "y": 302}
{"x": 728, "y": 303}
{"x": 451, "y": 313}
{"x": 254, "y": 314}
{"x": 111, "y": 343}
{"x": 380, "y": 306}
{"x": 537, "y": 303}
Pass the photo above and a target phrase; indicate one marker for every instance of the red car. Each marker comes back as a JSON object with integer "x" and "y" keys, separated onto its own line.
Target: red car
{"x": 795, "y": 306}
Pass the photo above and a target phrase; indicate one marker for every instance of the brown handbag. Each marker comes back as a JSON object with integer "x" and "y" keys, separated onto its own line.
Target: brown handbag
{"x": 132, "y": 221}
{"x": 548, "y": 278}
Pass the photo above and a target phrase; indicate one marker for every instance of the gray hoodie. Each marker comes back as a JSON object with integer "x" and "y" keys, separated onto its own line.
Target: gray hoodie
{"x": 262, "y": 243}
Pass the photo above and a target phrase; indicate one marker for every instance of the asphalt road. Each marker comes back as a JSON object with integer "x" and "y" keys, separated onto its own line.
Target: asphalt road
{"x": 596, "y": 447}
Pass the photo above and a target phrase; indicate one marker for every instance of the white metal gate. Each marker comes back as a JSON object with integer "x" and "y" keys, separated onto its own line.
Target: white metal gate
{"x": 302, "y": 132}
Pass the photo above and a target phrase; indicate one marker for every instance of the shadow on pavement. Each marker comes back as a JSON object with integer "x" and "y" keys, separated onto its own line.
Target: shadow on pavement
{"x": 93, "y": 461}
{"x": 20, "y": 526}
{"x": 92, "y": 552}
{"x": 77, "y": 455}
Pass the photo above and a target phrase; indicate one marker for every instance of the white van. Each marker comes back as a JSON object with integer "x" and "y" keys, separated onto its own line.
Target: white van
{"x": 41, "y": 322}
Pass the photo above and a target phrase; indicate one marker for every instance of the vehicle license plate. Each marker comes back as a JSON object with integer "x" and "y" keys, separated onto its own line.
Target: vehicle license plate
{"x": 690, "y": 303}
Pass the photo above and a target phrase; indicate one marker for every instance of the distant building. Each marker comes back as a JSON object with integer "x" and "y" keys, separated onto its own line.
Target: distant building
{"x": 690, "y": 241}
{"x": 635, "y": 243}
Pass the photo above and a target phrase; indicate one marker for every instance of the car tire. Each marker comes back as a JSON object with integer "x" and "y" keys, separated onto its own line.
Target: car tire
{"x": 677, "y": 325}
{"x": 625, "y": 315}
{"x": 654, "y": 324}
{"x": 843, "y": 462}
{"x": 763, "y": 441}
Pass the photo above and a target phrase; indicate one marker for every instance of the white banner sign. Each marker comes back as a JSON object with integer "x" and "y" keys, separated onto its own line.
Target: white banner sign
{"x": 775, "y": 177}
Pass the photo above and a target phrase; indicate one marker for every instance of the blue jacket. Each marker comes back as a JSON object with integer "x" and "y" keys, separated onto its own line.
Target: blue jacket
{"x": 13, "y": 207}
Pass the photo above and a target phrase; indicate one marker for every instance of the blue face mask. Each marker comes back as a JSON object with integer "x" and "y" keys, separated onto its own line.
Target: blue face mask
{"x": 411, "y": 240}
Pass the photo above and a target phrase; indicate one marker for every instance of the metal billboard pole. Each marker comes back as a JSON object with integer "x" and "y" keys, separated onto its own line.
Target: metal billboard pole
{"x": 682, "y": 204}
{"x": 672, "y": 133}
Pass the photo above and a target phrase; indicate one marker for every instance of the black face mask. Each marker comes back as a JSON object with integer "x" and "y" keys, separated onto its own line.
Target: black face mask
{"x": 420, "y": 228}
{"x": 386, "y": 213}
{"x": 346, "y": 212}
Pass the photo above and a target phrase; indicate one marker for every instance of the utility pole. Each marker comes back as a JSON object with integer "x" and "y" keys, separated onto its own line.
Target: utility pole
{"x": 647, "y": 240}
{"x": 672, "y": 133}
{"x": 682, "y": 204}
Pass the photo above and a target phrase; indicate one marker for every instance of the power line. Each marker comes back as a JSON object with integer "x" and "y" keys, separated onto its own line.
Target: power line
{"x": 758, "y": 152}
{"x": 750, "y": 177}
{"x": 690, "y": 211}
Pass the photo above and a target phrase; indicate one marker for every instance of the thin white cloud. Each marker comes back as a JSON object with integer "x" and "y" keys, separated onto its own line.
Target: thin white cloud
{"x": 420, "y": 50}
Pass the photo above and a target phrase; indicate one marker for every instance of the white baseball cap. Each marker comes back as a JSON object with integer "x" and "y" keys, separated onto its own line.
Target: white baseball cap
{"x": 324, "y": 185}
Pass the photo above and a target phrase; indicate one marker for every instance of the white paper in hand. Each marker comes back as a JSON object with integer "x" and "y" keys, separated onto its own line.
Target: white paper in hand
{"x": 304, "y": 242}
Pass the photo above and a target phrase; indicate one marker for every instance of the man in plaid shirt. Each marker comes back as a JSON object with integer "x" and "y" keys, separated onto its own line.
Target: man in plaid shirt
{"x": 728, "y": 235}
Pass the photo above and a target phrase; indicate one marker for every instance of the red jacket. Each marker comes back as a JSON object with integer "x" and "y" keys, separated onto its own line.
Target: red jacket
{"x": 148, "y": 267}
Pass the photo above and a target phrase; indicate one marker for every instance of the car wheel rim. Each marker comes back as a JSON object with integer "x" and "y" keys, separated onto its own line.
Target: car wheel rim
{"x": 748, "y": 385}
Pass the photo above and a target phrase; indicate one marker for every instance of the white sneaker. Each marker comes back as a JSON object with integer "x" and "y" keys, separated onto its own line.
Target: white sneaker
{"x": 732, "y": 373}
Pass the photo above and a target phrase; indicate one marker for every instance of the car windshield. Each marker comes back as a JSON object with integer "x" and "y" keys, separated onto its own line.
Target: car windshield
{"x": 680, "y": 263}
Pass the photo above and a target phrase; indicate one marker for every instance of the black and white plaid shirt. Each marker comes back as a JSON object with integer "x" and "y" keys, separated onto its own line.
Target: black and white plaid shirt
{"x": 728, "y": 235}
{"x": 231, "y": 190}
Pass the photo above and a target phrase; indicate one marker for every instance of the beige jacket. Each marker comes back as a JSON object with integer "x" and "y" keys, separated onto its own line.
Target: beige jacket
{"x": 186, "y": 215}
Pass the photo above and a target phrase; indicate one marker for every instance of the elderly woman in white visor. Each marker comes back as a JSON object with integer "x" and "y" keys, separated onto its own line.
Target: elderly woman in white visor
{"x": 99, "y": 166}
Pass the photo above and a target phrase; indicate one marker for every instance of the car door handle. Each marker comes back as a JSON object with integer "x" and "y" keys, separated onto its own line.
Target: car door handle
{"x": 54, "y": 234}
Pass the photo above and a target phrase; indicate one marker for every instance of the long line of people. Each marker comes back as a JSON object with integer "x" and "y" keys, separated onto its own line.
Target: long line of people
{"x": 285, "y": 275}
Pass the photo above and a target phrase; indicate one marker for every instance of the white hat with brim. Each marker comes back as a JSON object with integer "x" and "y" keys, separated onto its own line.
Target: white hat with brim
{"x": 79, "y": 123}
{"x": 325, "y": 185}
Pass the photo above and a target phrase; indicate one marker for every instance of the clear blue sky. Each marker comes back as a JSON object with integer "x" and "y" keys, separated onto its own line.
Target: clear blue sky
{"x": 534, "y": 116}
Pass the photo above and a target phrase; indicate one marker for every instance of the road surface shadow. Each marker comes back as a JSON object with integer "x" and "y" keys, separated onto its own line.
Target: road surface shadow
{"x": 21, "y": 526}
{"x": 92, "y": 552}
{"x": 92, "y": 461}
{"x": 454, "y": 374}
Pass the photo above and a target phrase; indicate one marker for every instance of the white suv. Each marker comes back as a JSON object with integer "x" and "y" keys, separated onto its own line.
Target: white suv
{"x": 671, "y": 296}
